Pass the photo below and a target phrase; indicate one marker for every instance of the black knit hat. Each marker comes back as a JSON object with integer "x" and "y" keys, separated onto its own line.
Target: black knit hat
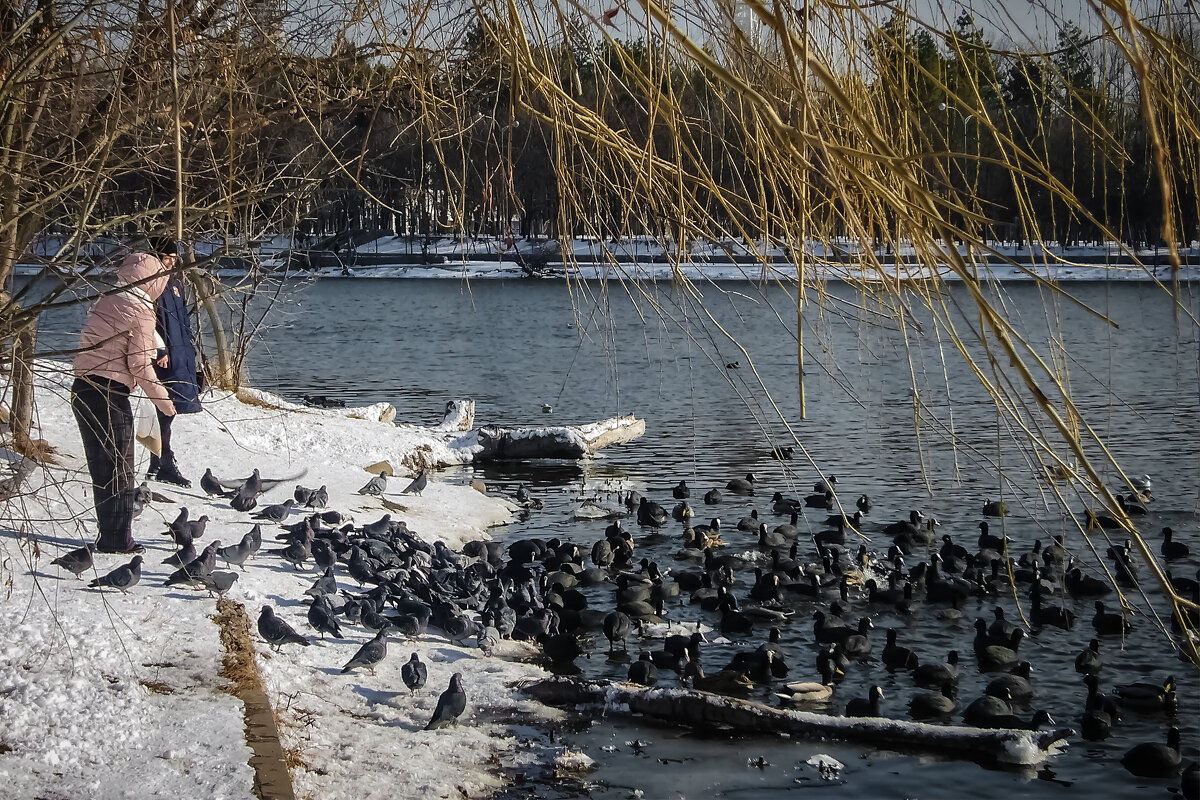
{"x": 163, "y": 246}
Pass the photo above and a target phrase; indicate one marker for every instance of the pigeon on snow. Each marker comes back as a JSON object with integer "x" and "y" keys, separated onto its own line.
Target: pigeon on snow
{"x": 124, "y": 577}
{"x": 414, "y": 673}
{"x": 212, "y": 485}
{"x": 218, "y": 582}
{"x": 237, "y": 554}
{"x": 450, "y": 704}
{"x": 376, "y": 486}
{"x": 276, "y": 631}
{"x": 276, "y": 513}
{"x": 418, "y": 484}
{"x": 370, "y": 653}
{"x": 322, "y": 618}
{"x": 194, "y": 572}
{"x": 319, "y": 498}
{"x": 182, "y": 556}
{"x": 77, "y": 561}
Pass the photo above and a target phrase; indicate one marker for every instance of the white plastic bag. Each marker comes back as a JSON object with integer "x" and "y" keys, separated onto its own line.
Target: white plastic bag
{"x": 147, "y": 432}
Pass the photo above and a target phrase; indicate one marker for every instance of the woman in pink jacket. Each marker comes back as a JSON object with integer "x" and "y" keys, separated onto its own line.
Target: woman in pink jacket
{"x": 117, "y": 349}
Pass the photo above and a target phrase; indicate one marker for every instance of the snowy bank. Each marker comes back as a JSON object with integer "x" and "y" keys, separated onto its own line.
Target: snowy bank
{"x": 104, "y": 694}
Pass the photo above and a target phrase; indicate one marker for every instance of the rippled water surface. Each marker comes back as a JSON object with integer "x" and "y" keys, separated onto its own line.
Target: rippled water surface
{"x": 871, "y": 386}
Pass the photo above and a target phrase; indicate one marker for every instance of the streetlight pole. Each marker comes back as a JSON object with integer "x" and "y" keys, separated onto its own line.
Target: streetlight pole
{"x": 966, "y": 119}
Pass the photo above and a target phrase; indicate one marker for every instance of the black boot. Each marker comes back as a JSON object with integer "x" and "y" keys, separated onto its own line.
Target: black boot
{"x": 155, "y": 464}
{"x": 169, "y": 473}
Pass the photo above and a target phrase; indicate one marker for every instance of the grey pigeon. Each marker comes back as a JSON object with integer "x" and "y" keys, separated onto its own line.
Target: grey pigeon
{"x": 297, "y": 552}
{"x": 418, "y": 484}
{"x": 360, "y": 568}
{"x": 372, "y": 619}
{"x": 181, "y": 556}
{"x": 370, "y": 653}
{"x": 77, "y": 561}
{"x": 212, "y": 485}
{"x": 236, "y": 554}
{"x": 414, "y": 673}
{"x": 321, "y": 617}
{"x": 376, "y": 486}
{"x": 267, "y": 484}
{"x": 276, "y": 513}
{"x": 178, "y": 529}
{"x": 124, "y": 577}
{"x": 196, "y": 527}
{"x": 380, "y": 527}
{"x": 302, "y": 495}
{"x": 488, "y": 639}
{"x": 218, "y": 582}
{"x": 319, "y": 498}
{"x": 194, "y": 572}
{"x": 246, "y": 497}
{"x": 450, "y": 705}
{"x": 323, "y": 554}
{"x": 276, "y": 631}
{"x": 142, "y": 496}
{"x": 255, "y": 538}
{"x": 324, "y": 585}
{"x": 522, "y": 494}
{"x": 458, "y": 627}
{"x": 10, "y": 486}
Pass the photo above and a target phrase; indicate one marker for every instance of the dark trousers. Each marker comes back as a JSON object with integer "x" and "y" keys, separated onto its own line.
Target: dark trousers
{"x": 166, "y": 454}
{"x": 105, "y": 421}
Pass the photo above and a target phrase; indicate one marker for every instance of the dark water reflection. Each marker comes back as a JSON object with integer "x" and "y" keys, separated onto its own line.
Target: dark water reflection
{"x": 871, "y": 387}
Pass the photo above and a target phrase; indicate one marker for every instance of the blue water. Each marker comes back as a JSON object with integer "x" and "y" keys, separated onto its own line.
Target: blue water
{"x": 892, "y": 411}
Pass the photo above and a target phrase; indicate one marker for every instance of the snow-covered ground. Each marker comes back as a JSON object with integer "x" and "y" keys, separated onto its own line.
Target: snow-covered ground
{"x": 110, "y": 695}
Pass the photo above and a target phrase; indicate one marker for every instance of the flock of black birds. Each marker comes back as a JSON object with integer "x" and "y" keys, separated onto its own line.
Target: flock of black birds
{"x": 384, "y": 578}
{"x": 781, "y": 574}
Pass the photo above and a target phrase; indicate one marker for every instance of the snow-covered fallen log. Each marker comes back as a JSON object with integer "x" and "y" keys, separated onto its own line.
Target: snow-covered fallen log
{"x": 572, "y": 442}
{"x": 453, "y": 441}
{"x": 707, "y": 710}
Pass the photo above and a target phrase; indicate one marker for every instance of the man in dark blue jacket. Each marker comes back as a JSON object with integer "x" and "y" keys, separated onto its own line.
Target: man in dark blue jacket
{"x": 176, "y": 368}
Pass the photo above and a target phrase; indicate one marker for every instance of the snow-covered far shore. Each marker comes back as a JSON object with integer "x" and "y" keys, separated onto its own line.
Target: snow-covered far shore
{"x": 645, "y": 258}
{"x": 111, "y": 695}
{"x": 786, "y": 273}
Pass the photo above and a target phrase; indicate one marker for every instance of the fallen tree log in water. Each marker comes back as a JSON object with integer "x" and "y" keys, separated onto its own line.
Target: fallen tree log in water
{"x": 706, "y": 710}
{"x": 493, "y": 443}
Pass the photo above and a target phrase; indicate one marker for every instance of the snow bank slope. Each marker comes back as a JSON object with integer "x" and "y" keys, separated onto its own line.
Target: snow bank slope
{"x": 110, "y": 695}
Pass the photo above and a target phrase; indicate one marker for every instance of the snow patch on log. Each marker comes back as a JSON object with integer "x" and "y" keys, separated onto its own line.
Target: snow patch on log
{"x": 459, "y": 416}
{"x": 376, "y": 412}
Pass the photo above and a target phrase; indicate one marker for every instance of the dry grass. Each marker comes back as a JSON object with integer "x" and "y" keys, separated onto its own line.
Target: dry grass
{"x": 157, "y": 687}
{"x": 239, "y": 665}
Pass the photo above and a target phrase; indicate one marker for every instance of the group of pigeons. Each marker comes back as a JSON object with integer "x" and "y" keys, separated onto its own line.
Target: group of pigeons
{"x": 400, "y": 568}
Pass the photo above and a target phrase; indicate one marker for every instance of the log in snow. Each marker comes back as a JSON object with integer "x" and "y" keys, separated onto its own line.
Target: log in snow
{"x": 454, "y": 440}
{"x": 707, "y": 710}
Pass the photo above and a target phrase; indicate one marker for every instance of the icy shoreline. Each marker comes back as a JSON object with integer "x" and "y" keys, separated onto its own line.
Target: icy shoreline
{"x": 111, "y": 695}
{"x": 644, "y": 258}
{"x": 787, "y": 273}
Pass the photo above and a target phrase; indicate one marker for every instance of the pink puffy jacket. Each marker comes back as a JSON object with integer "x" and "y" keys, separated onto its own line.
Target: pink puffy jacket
{"x": 118, "y": 337}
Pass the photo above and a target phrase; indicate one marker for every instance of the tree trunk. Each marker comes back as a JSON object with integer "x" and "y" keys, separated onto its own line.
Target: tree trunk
{"x": 21, "y": 418}
{"x": 225, "y": 378}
